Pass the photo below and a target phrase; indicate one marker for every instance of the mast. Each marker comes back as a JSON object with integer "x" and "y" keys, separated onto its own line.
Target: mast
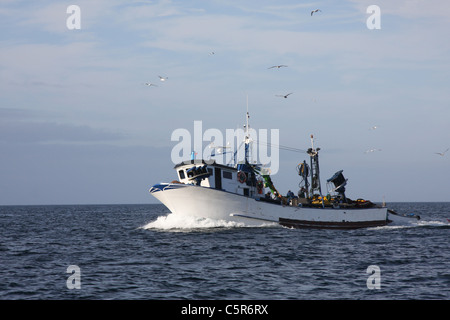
{"x": 315, "y": 174}
{"x": 303, "y": 171}
{"x": 246, "y": 167}
{"x": 247, "y": 135}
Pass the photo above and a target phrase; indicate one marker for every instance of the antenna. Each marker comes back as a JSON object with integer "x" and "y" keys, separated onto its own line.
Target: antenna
{"x": 247, "y": 118}
{"x": 312, "y": 150}
{"x": 247, "y": 102}
{"x": 247, "y": 134}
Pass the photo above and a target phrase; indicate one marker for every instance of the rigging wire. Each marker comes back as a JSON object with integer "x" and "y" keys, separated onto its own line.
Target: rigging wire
{"x": 281, "y": 147}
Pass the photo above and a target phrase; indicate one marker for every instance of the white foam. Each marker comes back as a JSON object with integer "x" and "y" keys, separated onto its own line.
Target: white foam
{"x": 391, "y": 227}
{"x": 174, "y": 222}
{"x": 179, "y": 222}
{"x": 413, "y": 224}
{"x": 435, "y": 223}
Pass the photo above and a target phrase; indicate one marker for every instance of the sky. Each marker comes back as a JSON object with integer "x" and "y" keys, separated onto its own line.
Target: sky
{"x": 78, "y": 125}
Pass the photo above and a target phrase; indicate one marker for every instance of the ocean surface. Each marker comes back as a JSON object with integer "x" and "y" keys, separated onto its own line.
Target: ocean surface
{"x": 137, "y": 252}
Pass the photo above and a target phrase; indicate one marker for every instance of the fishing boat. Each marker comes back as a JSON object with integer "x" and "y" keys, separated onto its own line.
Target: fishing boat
{"x": 243, "y": 192}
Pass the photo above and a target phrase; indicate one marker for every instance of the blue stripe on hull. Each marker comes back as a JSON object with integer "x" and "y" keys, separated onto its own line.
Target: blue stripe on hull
{"x": 165, "y": 186}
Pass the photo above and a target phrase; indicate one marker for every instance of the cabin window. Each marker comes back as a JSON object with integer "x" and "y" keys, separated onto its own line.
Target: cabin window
{"x": 227, "y": 175}
{"x": 210, "y": 171}
{"x": 181, "y": 173}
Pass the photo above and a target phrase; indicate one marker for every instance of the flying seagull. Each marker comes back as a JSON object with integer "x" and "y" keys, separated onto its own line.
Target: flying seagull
{"x": 441, "y": 153}
{"x": 372, "y": 150}
{"x": 278, "y": 67}
{"x": 283, "y": 96}
{"x": 374, "y": 128}
{"x": 162, "y": 78}
{"x": 314, "y": 11}
{"x": 150, "y": 84}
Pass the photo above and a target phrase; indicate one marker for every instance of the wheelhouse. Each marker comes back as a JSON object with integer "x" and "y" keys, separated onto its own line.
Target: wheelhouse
{"x": 239, "y": 179}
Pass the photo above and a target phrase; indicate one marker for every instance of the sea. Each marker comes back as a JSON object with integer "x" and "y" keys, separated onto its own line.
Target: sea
{"x": 144, "y": 252}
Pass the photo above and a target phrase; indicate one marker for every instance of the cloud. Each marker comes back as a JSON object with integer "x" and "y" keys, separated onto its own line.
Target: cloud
{"x": 81, "y": 173}
{"x": 149, "y": 10}
{"x": 410, "y": 9}
{"x": 50, "y": 17}
{"x": 350, "y": 47}
{"x": 23, "y": 126}
{"x": 46, "y": 62}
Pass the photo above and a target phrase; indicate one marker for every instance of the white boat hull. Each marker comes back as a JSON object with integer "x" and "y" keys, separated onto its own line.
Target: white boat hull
{"x": 197, "y": 201}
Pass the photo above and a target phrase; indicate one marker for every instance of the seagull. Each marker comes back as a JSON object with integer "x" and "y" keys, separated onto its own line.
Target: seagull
{"x": 374, "y": 127}
{"x": 441, "y": 153}
{"x": 284, "y": 96}
{"x": 150, "y": 84}
{"x": 314, "y": 11}
{"x": 372, "y": 150}
{"x": 211, "y": 53}
{"x": 278, "y": 67}
{"x": 162, "y": 78}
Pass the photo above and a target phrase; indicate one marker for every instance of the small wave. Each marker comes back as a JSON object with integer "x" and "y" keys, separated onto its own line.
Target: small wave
{"x": 417, "y": 223}
{"x": 391, "y": 227}
{"x": 434, "y": 223}
{"x": 177, "y": 222}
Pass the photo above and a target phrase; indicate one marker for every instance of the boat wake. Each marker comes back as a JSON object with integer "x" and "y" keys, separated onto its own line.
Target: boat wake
{"x": 414, "y": 224}
{"x": 174, "y": 222}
